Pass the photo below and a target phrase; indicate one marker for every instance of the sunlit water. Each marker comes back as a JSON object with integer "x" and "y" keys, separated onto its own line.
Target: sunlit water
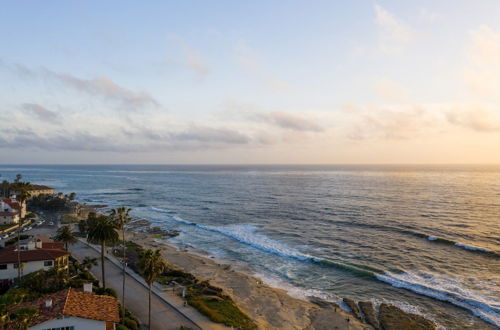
{"x": 425, "y": 238}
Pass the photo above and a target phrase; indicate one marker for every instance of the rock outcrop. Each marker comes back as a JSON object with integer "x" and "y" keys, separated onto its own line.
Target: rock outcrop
{"x": 369, "y": 313}
{"x": 394, "y": 318}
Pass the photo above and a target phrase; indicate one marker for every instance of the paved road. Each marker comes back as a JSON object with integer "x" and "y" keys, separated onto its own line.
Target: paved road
{"x": 163, "y": 316}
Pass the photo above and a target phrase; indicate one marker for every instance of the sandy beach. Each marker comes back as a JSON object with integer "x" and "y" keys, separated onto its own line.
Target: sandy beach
{"x": 270, "y": 308}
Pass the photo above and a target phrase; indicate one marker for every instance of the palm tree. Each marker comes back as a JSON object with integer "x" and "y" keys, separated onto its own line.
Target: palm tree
{"x": 89, "y": 262}
{"x": 152, "y": 265}
{"x": 5, "y": 187}
{"x": 102, "y": 230}
{"x": 66, "y": 235}
{"x": 121, "y": 216}
{"x": 22, "y": 194}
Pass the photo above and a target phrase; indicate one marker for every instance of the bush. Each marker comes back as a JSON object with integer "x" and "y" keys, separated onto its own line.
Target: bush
{"x": 13, "y": 240}
{"x": 105, "y": 292}
{"x": 130, "y": 323}
{"x": 222, "y": 310}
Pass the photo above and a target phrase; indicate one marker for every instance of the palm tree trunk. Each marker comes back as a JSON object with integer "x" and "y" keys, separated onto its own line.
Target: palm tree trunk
{"x": 103, "y": 246}
{"x": 124, "y": 261}
{"x": 149, "y": 317}
{"x": 19, "y": 244}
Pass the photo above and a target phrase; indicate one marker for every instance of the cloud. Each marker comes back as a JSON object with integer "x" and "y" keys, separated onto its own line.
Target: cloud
{"x": 476, "y": 118}
{"x": 191, "y": 138}
{"x": 105, "y": 87}
{"x": 100, "y": 86}
{"x": 41, "y": 112}
{"x": 193, "y": 60}
{"x": 394, "y": 35}
{"x": 391, "y": 123}
{"x": 390, "y": 91}
{"x": 482, "y": 73}
{"x": 288, "y": 121}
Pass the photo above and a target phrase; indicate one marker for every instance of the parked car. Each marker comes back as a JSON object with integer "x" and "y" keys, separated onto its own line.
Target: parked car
{"x": 51, "y": 223}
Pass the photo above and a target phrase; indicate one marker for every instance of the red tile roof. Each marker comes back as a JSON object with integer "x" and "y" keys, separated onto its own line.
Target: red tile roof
{"x": 53, "y": 245}
{"x": 8, "y": 214}
{"x": 91, "y": 306}
{"x": 73, "y": 302}
{"x": 9, "y": 255}
{"x": 14, "y": 205}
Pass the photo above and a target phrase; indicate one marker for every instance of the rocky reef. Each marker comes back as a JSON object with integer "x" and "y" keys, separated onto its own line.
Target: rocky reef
{"x": 386, "y": 317}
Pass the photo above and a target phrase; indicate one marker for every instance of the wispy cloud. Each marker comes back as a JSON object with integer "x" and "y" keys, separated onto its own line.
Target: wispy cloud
{"x": 477, "y": 118}
{"x": 192, "y": 58}
{"x": 41, "y": 112}
{"x": 100, "y": 86}
{"x": 394, "y": 35}
{"x": 288, "y": 121}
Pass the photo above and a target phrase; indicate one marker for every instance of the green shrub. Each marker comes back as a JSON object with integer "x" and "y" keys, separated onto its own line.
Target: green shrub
{"x": 130, "y": 323}
{"x": 105, "y": 292}
{"x": 222, "y": 310}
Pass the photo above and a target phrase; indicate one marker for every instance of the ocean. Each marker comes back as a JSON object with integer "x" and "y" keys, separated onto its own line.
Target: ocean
{"x": 426, "y": 238}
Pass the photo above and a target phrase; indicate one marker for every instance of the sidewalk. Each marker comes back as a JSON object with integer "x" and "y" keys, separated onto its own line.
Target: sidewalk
{"x": 167, "y": 297}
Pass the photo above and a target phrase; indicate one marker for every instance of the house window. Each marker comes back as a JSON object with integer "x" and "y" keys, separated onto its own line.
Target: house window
{"x": 3, "y": 266}
{"x": 48, "y": 263}
{"x": 15, "y": 266}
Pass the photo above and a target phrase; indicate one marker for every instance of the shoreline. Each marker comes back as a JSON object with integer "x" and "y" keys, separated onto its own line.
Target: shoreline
{"x": 269, "y": 307}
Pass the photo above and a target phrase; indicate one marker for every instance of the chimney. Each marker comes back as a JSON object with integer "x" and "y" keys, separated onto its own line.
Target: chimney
{"x": 48, "y": 303}
{"x": 87, "y": 287}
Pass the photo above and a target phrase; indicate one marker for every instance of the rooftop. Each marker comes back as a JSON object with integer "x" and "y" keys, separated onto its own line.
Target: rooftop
{"x": 9, "y": 254}
{"x": 72, "y": 302}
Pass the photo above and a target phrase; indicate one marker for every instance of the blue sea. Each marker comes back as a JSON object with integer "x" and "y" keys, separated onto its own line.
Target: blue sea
{"x": 426, "y": 238}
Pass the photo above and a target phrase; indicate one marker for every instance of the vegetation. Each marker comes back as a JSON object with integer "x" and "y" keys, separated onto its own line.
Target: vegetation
{"x": 121, "y": 217}
{"x": 14, "y": 239}
{"x": 22, "y": 194}
{"x": 43, "y": 282}
{"x": 89, "y": 262}
{"x": 152, "y": 265}
{"x": 7, "y": 226}
{"x": 65, "y": 235}
{"x": 69, "y": 218}
{"x": 101, "y": 230}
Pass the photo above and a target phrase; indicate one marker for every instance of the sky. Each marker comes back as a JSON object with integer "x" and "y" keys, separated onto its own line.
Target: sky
{"x": 254, "y": 82}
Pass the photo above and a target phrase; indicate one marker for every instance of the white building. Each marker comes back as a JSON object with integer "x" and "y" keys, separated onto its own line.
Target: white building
{"x": 9, "y": 210}
{"x": 72, "y": 309}
{"x": 34, "y": 257}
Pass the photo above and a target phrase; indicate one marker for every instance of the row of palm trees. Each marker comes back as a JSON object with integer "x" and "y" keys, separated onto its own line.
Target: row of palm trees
{"x": 103, "y": 229}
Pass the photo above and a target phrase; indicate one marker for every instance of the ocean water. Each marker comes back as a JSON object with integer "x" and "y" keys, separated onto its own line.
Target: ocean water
{"x": 426, "y": 238}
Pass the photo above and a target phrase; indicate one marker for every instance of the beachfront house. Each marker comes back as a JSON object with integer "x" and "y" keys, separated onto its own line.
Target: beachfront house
{"x": 35, "y": 255}
{"x": 9, "y": 211}
{"x": 72, "y": 309}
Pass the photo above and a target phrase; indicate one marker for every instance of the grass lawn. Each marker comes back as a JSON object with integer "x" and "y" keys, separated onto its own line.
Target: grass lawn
{"x": 7, "y": 226}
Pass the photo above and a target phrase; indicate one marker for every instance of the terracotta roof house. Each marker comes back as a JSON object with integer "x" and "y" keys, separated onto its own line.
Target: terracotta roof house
{"x": 72, "y": 309}
{"x": 9, "y": 211}
{"x": 33, "y": 259}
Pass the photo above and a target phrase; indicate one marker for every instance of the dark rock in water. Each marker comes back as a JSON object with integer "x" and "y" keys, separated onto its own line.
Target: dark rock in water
{"x": 353, "y": 306}
{"x": 369, "y": 313}
{"x": 394, "y": 318}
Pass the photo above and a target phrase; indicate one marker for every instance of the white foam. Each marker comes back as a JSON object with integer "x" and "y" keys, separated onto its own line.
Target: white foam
{"x": 247, "y": 233}
{"x": 432, "y": 238}
{"x": 472, "y": 247}
{"x": 447, "y": 289}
